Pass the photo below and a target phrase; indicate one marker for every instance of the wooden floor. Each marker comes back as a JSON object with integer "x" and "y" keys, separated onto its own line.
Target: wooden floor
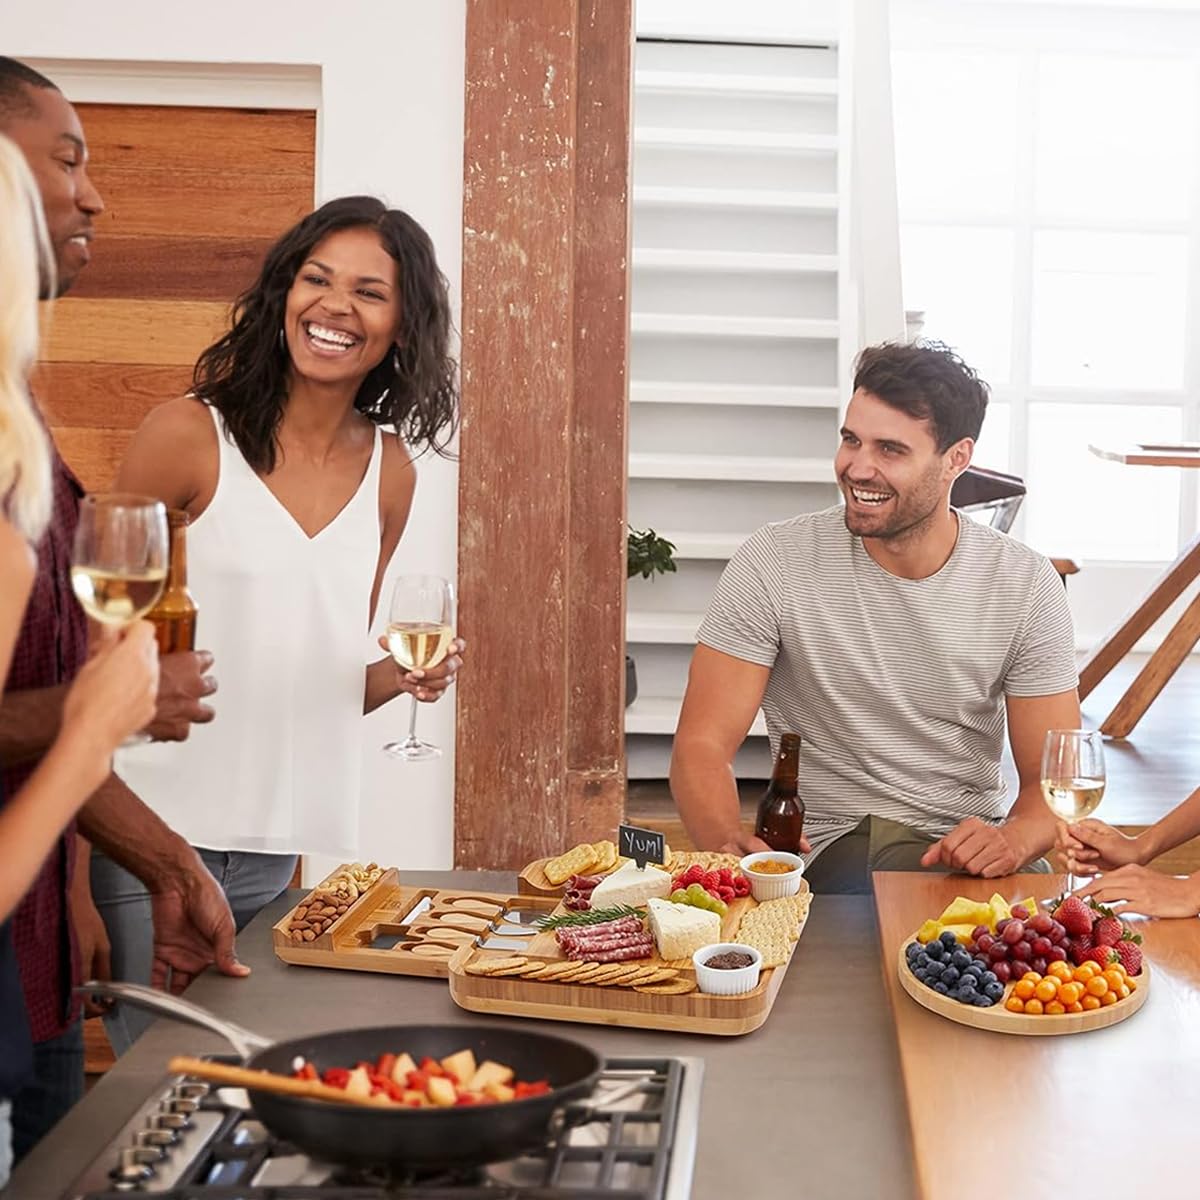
{"x": 1148, "y": 774}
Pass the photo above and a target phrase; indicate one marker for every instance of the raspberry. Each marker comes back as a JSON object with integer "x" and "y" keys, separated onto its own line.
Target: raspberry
{"x": 741, "y": 885}
{"x": 725, "y": 875}
{"x": 710, "y": 881}
{"x": 726, "y": 892}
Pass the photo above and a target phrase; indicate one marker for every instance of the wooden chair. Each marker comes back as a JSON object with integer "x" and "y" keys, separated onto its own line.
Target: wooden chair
{"x": 997, "y": 497}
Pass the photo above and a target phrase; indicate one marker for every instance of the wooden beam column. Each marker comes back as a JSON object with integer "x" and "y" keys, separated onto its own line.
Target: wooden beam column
{"x": 540, "y": 750}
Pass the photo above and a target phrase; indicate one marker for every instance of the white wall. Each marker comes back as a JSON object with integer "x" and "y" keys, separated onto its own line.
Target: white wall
{"x": 391, "y": 78}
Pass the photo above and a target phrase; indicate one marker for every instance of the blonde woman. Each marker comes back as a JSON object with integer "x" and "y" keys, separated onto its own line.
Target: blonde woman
{"x": 114, "y": 694}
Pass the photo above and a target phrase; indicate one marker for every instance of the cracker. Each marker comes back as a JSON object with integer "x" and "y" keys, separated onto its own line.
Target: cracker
{"x": 669, "y": 987}
{"x": 652, "y": 975}
{"x": 606, "y": 857}
{"x": 622, "y": 976}
{"x": 521, "y": 968}
{"x": 575, "y": 971}
{"x": 607, "y": 971}
{"x": 491, "y": 966}
{"x": 579, "y": 860}
{"x": 553, "y": 970}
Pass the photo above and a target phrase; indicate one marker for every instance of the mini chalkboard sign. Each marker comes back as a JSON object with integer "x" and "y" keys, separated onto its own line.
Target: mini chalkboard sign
{"x": 642, "y": 845}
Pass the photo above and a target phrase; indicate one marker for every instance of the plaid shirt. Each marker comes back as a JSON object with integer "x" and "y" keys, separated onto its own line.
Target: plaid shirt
{"x": 50, "y": 650}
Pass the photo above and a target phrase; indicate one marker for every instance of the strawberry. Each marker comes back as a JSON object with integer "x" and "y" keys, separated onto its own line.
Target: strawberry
{"x": 1102, "y": 956}
{"x": 1108, "y": 930}
{"x": 1074, "y": 916}
{"x": 1079, "y": 947}
{"x": 1130, "y": 953}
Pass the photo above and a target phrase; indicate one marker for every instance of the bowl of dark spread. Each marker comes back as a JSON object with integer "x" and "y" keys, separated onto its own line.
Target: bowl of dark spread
{"x": 727, "y": 968}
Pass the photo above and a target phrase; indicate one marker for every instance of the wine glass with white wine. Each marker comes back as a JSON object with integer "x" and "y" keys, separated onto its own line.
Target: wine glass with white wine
{"x": 420, "y": 633}
{"x": 1073, "y": 776}
{"x": 119, "y": 560}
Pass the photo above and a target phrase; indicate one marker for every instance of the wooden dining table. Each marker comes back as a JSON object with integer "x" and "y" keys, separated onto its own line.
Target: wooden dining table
{"x": 995, "y": 1114}
{"x": 1166, "y": 589}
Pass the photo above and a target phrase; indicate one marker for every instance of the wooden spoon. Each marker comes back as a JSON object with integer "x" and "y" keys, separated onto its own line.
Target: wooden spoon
{"x": 268, "y": 1081}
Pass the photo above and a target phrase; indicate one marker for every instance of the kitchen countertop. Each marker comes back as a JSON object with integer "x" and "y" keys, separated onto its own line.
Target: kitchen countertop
{"x": 811, "y": 1104}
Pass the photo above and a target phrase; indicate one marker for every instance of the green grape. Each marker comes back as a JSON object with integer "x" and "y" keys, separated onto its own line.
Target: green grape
{"x": 696, "y": 891}
{"x": 679, "y": 896}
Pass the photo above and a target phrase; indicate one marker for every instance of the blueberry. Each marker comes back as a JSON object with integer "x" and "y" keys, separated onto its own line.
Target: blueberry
{"x": 948, "y": 939}
{"x": 988, "y": 977}
{"x": 993, "y": 990}
{"x": 935, "y": 969}
{"x": 967, "y": 983}
{"x": 960, "y": 958}
{"x": 922, "y": 976}
{"x": 983, "y": 1001}
{"x": 975, "y": 971}
{"x": 912, "y": 949}
{"x": 941, "y": 988}
{"x": 950, "y": 976}
{"x": 922, "y": 958}
{"x": 935, "y": 949}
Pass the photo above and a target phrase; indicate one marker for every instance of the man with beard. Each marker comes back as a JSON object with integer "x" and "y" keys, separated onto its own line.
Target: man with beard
{"x": 896, "y": 636}
{"x": 56, "y": 930}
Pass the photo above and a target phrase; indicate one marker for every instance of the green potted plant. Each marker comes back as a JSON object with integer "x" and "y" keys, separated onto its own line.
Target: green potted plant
{"x": 647, "y": 555}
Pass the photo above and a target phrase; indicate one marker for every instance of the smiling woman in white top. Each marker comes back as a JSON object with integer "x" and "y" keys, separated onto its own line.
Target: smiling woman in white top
{"x": 292, "y": 458}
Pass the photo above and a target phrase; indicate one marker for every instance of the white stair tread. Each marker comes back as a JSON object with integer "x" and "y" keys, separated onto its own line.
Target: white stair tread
{"x": 660, "y": 714}
{"x": 693, "y": 544}
{"x": 734, "y": 139}
{"x": 662, "y": 627}
{"x": 711, "y": 325}
{"x": 749, "y": 198}
{"x": 733, "y": 85}
{"x": 733, "y": 394}
{"x": 733, "y": 260}
{"x": 737, "y": 467}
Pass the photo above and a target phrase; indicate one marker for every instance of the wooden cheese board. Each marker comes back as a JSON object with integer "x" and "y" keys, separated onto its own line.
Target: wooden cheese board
{"x": 692, "y": 1011}
{"x": 997, "y": 1019}
{"x": 375, "y": 935}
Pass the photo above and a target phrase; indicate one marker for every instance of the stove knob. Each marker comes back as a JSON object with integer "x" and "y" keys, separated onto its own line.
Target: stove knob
{"x": 161, "y": 1138}
{"x": 129, "y": 1169}
{"x": 173, "y": 1120}
{"x": 150, "y": 1143}
{"x": 167, "y": 1136}
{"x": 179, "y": 1106}
{"x": 189, "y": 1091}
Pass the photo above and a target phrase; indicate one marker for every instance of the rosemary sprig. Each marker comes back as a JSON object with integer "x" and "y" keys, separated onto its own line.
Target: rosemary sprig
{"x": 592, "y": 917}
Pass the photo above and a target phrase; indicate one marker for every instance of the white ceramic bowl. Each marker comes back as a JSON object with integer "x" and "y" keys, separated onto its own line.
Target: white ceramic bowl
{"x": 715, "y": 982}
{"x": 772, "y": 887}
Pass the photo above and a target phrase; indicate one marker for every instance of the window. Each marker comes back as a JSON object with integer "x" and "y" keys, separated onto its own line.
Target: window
{"x": 1050, "y": 230}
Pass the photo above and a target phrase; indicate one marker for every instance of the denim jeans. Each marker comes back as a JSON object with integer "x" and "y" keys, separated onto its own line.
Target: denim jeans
{"x": 5, "y": 1140}
{"x": 56, "y": 1086}
{"x": 250, "y": 882}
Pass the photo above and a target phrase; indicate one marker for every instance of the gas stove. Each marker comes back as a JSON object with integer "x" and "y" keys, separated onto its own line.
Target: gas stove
{"x": 190, "y": 1141}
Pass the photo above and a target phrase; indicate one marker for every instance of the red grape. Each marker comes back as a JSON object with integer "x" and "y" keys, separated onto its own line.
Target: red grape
{"x": 1038, "y": 965}
{"x": 984, "y": 942}
{"x": 997, "y": 952}
{"x": 1041, "y": 947}
{"x": 1002, "y": 971}
{"x": 1043, "y": 923}
{"x": 1020, "y": 952}
{"x": 1014, "y": 931}
{"x": 1058, "y": 935}
{"x": 1020, "y": 912}
{"x": 978, "y": 932}
{"x": 1056, "y": 954}
{"x": 1003, "y": 924}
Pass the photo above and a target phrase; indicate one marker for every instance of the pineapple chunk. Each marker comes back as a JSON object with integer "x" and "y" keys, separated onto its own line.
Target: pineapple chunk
{"x": 499, "y": 1091}
{"x": 962, "y": 932}
{"x": 1000, "y": 910}
{"x": 489, "y": 1072}
{"x": 441, "y": 1092}
{"x": 928, "y": 932}
{"x": 403, "y": 1065}
{"x": 961, "y": 911}
{"x": 358, "y": 1084}
{"x": 460, "y": 1065}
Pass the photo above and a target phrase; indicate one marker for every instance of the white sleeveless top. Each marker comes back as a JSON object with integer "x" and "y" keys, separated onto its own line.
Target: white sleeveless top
{"x": 286, "y": 617}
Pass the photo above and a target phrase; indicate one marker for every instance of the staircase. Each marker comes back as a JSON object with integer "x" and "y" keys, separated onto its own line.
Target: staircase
{"x": 745, "y": 318}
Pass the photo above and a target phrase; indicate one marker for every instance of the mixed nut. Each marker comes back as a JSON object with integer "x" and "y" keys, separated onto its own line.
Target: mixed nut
{"x": 332, "y": 900}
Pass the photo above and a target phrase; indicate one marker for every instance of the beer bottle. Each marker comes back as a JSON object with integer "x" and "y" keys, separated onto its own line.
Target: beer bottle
{"x": 174, "y": 616}
{"x": 781, "y": 810}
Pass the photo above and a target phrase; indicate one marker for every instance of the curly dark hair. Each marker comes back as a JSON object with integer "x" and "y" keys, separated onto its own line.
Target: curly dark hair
{"x": 927, "y": 380}
{"x": 415, "y": 388}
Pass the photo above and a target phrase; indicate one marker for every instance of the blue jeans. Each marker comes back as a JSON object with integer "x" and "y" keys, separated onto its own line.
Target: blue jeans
{"x": 249, "y": 881}
{"x": 56, "y": 1086}
{"x": 5, "y": 1140}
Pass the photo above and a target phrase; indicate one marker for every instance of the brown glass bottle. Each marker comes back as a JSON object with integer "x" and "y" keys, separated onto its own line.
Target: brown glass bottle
{"x": 174, "y": 616}
{"x": 781, "y": 810}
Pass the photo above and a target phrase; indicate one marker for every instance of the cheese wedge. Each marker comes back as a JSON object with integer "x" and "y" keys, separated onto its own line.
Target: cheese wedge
{"x": 628, "y": 885}
{"x": 680, "y": 930}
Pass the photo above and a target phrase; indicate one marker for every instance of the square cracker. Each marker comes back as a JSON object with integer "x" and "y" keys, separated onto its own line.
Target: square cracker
{"x": 576, "y": 861}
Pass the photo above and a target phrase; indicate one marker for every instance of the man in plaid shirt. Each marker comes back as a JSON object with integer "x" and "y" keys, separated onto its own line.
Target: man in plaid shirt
{"x": 193, "y": 926}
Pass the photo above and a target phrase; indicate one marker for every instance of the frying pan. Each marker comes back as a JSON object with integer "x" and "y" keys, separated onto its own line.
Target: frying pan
{"x": 396, "y": 1137}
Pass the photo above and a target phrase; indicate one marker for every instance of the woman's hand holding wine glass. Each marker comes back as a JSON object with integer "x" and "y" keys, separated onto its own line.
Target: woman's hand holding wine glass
{"x": 1073, "y": 778}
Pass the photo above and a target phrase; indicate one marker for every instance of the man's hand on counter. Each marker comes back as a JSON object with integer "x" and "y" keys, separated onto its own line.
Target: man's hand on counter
{"x": 193, "y": 928}
{"x": 977, "y": 848}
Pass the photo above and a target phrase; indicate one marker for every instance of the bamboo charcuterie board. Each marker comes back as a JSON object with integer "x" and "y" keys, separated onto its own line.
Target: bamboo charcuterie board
{"x": 597, "y": 1004}
{"x": 372, "y": 936}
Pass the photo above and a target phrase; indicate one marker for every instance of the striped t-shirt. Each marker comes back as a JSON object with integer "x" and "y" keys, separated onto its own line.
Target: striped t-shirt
{"x": 896, "y": 686}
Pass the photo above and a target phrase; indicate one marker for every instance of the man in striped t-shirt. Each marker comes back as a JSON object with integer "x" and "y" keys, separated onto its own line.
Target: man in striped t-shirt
{"x": 896, "y": 636}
